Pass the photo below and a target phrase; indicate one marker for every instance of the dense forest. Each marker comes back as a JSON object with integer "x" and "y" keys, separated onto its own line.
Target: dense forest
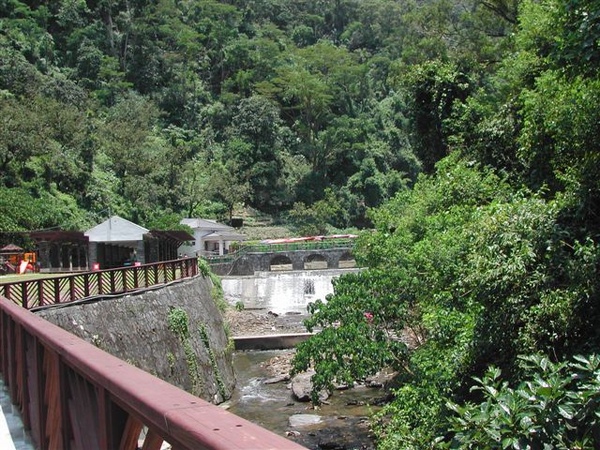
{"x": 309, "y": 111}
{"x": 162, "y": 109}
{"x": 461, "y": 133}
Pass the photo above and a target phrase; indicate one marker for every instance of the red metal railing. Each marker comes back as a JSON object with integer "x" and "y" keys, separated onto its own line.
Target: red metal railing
{"x": 49, "y": 291}
{"x": 74, "y": 396}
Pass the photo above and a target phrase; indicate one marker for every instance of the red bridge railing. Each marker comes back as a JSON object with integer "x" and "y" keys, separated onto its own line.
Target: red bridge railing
{"x": 74, "y": 396}
{"x": 68, "y": 288}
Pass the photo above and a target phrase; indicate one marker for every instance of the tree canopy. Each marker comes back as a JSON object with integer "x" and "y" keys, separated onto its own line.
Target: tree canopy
{"x": 112, "y": 103}
{"x": 480, "y": 285}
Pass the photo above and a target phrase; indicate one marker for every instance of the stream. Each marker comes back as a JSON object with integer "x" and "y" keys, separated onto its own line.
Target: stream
{"x": 342, "y": 424}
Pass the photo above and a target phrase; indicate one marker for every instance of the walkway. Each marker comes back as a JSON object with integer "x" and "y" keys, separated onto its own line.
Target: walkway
{"x": 12, "y": 433}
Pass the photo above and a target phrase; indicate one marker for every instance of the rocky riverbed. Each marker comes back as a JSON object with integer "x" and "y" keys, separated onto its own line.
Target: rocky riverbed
{"x": 249, "y": 322}
{"x": 262, "y": 323}
{"x": 265, "y": 395}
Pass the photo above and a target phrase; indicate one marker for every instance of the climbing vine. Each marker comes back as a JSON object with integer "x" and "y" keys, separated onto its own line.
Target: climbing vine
{"x": 213, "y": 360}
{"x": 172, "y": 360}
{"x": 203, "y": 267}
{"x": 178, "y": 322}
{"x": 217, "y": 293}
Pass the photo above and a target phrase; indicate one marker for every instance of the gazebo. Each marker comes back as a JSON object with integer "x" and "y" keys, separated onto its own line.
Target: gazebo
{"x": 10, "y": 257}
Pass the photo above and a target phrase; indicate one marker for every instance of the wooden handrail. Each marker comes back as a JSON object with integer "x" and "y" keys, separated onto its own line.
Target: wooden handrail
{"x": 75, "y": 396}
{"x": 68, "y": 288}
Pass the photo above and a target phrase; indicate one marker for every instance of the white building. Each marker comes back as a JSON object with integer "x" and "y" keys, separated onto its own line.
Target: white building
{"x": 211, "y": 237}
{"x": 118, "y": 242}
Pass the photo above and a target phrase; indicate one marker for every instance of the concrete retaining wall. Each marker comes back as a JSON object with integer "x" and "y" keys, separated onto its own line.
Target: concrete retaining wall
{"x": 270, "y": 342}
{"x": 145, "y": 330}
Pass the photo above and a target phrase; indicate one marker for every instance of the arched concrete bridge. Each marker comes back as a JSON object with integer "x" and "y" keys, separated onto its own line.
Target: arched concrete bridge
{"x": 250, "y": 262}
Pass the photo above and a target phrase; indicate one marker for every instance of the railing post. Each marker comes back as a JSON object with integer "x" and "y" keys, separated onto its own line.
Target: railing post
{"x": 40, "y": 284}
{"x": 38, "y": 411}
{"x": 124, "y": 280}
{"x": 71, "y": 288}
{"x": 10, "y": 349}
{"x": 25, "y": 394}
{"x": 112, "y": 280}
{"x": 24, "y": 295}
{"x": 100, "y": 287}
{"x": 86, "y": 284}
{"x": 136, "y": 281}
{"x": 56, "y": 283}
{"x": 63, "y": 401}
{"x": 112, "y": 420}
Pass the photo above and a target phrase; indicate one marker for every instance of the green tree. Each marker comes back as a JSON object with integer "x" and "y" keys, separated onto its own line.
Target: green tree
{"x": 315, "y": 219}
{"x": 225, "y": 187}
{"x": 256, "y": 148}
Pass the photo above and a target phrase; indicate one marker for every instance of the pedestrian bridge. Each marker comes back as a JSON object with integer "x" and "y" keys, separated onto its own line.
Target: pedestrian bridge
{"x": 72, "y": 395}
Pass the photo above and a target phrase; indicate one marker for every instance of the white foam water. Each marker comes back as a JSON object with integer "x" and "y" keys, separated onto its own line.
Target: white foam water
{"x": 281, "y": 292}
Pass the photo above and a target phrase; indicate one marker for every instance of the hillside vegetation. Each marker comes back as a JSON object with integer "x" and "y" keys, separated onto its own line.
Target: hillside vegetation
{"x": 310, "y": 111}
{"x": 463, "y": 133}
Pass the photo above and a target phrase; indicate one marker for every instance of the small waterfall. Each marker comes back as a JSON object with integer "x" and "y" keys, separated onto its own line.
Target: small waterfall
{"x": 281, "y": 292}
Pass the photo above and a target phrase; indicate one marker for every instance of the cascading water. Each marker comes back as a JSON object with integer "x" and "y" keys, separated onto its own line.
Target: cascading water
{"x": 281, "y": 292}
{"x": 341, "y": 422}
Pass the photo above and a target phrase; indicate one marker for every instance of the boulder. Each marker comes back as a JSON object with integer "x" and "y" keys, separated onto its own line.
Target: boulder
{"x": 304, "y": 420}
{"x": 302, "y": 387}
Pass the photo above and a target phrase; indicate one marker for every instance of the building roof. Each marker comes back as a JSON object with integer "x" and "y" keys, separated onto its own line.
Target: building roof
{"x": 116, "y": 229}
{"x": 11, "y": 248}
{"x": 58, "y": 236}
{"x": 224, "y": 236}
{"x": 205, "y": 224}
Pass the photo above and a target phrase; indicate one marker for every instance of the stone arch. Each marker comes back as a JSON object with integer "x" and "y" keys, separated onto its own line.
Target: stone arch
{"x": 315, "y": 261}
{"x": 347, "y": 260}
{"x": 280, "y": 262}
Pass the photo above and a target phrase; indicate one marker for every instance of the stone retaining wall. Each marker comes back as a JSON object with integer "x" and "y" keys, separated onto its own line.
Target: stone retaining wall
{"x": 176, "y": 333}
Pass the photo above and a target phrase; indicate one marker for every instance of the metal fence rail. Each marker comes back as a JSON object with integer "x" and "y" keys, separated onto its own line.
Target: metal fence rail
{"x": 74, "y": 396}
{"x": 49, "y": 291}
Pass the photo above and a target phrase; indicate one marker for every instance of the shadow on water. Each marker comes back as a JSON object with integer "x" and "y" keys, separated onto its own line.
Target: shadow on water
{"x": 342, "y": 424}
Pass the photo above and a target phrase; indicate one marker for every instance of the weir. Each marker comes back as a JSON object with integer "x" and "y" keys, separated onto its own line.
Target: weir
{"x": 341, "y": 422}
{"x": 281, "y": 292}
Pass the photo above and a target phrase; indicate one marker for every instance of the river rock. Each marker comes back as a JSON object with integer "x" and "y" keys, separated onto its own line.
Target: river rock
{"x": 302, "y": 386}
{"x": 277, "y": 379}
{"x": 304, "y": 420}
{"x": 380, "y": 379}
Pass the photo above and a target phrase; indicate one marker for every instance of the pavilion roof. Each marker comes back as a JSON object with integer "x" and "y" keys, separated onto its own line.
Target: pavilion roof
{"x": 11, "y": 248}
{"x": 58, "y": 236}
